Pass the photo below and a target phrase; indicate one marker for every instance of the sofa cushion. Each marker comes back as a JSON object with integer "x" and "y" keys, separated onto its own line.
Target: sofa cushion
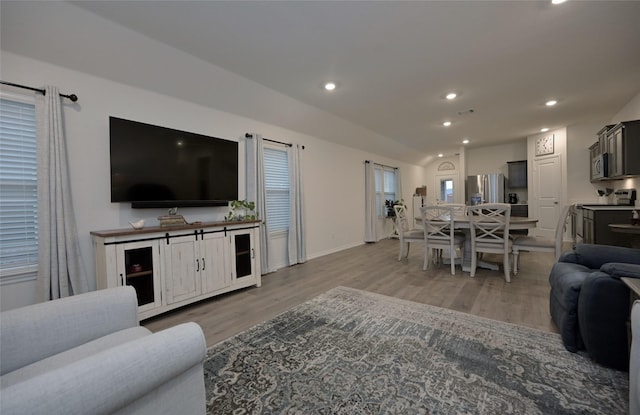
{"x": 72, "y": 355}
{"x": 594, "y": 256}
{"x": 566, "y": 282}
{"x": 619, "y": 270}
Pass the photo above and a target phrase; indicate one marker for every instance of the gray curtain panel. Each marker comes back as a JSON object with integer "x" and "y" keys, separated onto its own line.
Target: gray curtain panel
{"x": 370, "y": 213}
{"x": 255, "y": 189}
{"x": 296, "y": 240}
{"x": 60, "y": 268}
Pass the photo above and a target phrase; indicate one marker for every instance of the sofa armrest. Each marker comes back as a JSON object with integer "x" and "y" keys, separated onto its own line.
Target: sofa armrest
{"x": 112, "y": 379}
{"x": 619, "y": 270}
{"x": 32, "y": 333}
{"x": 603, "y": 310}
{"x": 634, "y": 363}
{"x": 594, "y": 256}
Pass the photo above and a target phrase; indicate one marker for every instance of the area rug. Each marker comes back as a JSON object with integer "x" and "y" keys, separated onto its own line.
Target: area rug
{"x": 353, "y": 352}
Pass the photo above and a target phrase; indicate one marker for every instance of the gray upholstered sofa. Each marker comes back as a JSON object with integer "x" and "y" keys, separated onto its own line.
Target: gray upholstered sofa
{"x": 590, "y": 304}
{"x": 87, "y": 354}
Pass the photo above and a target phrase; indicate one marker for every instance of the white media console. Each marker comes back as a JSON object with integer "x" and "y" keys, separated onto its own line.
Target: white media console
{"x": 174, "y": 266}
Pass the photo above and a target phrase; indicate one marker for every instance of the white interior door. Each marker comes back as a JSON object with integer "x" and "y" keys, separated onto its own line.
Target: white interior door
{"x": 547, "y": 176}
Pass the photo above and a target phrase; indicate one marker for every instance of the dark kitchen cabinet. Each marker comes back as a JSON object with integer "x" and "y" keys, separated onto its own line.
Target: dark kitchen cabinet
{"x": 623, "y": 147}
{"x": 517, "y": 174}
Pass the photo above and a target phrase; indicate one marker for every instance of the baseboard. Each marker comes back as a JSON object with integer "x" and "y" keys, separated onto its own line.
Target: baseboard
{"x": 334, "y": 250}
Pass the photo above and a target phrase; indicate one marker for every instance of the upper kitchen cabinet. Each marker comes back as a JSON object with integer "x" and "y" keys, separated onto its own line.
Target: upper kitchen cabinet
{"x": 623, "y": 150}
{"x": 517, "y": 174}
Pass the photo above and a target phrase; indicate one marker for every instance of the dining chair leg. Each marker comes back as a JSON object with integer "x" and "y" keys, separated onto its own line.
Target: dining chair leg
{"x": 425, "y": 266}
{"x": 515, "y": 262}
{"x": 474, "y": 261}
{"x": 453, "y": 260}
{"x": 401, "y": 250}
{"x": 507, "y": 268}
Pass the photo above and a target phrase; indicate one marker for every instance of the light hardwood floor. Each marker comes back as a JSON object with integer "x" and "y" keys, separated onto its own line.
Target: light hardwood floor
{"x": 375, "y": 268}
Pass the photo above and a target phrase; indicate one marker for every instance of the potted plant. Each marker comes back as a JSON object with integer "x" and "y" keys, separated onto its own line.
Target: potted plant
{"x": 389, "y": 204}
{"x": 240, "y": 210}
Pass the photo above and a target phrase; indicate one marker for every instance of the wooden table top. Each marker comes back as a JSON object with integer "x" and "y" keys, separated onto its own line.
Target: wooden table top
{"x": 515, "y": 222}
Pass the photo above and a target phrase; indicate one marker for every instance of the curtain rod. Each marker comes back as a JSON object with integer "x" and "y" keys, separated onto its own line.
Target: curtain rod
{"x": 249, "y": 135}
{"x": 380, "y": 164}
{"x": 72, "y": 97}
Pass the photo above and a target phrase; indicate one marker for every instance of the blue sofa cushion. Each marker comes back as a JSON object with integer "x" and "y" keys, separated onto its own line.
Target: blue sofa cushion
{"x": 594, "y": 256}
{"x": 566, "y": 282}
{"x": 619, "y": 270}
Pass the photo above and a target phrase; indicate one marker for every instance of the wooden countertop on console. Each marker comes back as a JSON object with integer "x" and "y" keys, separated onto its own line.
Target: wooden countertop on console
{"x": 155, "y": 229}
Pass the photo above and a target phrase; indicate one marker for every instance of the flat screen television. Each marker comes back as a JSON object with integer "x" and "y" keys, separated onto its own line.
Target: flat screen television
{"x": 154, "y": 166}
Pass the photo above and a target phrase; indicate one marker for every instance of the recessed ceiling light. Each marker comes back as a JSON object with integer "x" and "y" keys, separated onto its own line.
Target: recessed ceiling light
{"x": 451, "y": 95}
{"x": 330, "y": 86}
{"x": 465, "y": 141}
{"x": 440, "y": 155}
{"x": 557, "y": 1}
{"x": 551, "y": 103}
{"x": 446, "y": 123}
{"x": 544, "y": 130}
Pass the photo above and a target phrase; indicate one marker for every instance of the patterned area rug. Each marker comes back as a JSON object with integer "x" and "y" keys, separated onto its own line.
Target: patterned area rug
{"x": 354, "y": 352}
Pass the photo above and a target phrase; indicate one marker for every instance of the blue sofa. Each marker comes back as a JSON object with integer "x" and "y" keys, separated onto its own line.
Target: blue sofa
{"x": 590, "y": 304}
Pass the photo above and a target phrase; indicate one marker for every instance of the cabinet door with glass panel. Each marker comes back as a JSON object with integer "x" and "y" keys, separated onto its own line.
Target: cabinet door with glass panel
{"x": 243, "y": 257}
{"x": 138, "y": 265}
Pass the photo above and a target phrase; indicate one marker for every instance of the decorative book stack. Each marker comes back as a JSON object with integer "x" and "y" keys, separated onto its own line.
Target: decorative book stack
{"x": 171, "y": 220}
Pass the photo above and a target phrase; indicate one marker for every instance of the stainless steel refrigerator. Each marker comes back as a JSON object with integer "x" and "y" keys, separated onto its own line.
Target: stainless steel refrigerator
{"x": 485, "y": 188}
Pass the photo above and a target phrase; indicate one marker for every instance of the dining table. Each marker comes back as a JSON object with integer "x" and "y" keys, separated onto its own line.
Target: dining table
{"x": 463, "y": 223}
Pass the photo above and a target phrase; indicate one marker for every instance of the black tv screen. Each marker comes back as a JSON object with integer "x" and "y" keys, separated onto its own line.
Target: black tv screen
{"x": 154, "y": 166}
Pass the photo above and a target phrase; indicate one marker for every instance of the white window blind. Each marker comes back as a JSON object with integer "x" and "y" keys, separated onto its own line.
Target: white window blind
{"x": 276, "y": 174}
{"x": 385, "y": 187}
{"x": 18, "y": 188}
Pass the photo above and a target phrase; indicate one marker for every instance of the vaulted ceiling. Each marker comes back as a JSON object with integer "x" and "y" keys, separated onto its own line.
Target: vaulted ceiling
{"x": 393, "y": 62}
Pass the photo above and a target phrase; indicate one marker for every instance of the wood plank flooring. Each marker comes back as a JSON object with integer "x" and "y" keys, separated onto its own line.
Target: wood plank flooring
{"x": 375, "y": 268}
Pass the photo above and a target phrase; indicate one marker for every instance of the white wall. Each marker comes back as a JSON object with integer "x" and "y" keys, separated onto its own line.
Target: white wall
{"x": 493, "y": 159}
{"x": 333, "y": 174}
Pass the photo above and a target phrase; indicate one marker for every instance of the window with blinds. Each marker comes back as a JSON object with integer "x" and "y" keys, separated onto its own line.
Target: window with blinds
{"x": 276, "y": 174}
{"x": 385, "y": 187}
{"x": 18, "y": 188}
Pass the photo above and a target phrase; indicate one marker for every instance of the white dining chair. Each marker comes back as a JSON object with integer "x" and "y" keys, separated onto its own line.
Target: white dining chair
{"x": 439, "y": 234}
{"x": 489, "y": 229}
{"x": 406, "y": 234}
{"x": 532, "y": 243}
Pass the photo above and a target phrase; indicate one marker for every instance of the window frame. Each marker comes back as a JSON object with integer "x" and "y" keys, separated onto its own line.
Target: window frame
{"x": 28, "y": 272}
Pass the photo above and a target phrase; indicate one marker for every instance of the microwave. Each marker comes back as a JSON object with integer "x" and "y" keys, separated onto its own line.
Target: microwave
{"x": 599, "y": 166}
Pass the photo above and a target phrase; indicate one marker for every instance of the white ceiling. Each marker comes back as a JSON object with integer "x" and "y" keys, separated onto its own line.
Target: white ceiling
{"x": 394, "y": 61}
